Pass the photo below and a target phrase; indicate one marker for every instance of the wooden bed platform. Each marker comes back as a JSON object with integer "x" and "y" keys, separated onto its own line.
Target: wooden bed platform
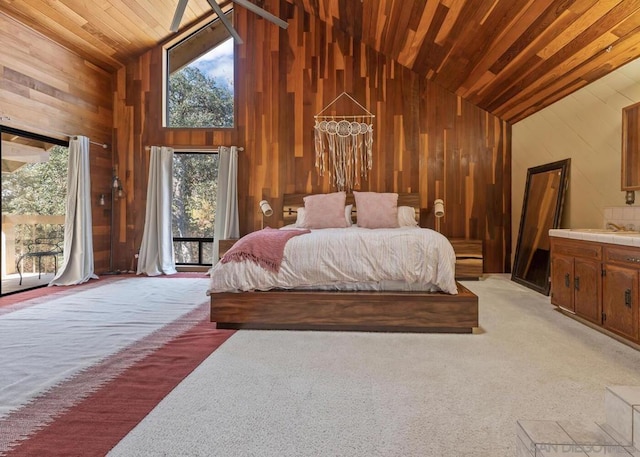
{"x": 385, "y": 311}
{"x": 333, "y": 310}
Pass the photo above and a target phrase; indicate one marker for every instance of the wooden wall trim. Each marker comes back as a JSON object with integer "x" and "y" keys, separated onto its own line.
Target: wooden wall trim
{"x": 50, "y": 89}
{"x": 427, "y": 139}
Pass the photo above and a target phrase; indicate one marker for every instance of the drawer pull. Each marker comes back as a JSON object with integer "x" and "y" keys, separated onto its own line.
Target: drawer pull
{"x": 633, "y": 259}
{"x": 576, "y": 283}
{"x": 627, "y": 298}
{"x": 566, "y": 280}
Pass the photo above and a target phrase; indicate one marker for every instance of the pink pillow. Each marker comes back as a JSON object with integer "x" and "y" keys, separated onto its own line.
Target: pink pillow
{"x": 324, "y": 211}
{"x": 376, "y": 210}
{"x": 301, "y": 217}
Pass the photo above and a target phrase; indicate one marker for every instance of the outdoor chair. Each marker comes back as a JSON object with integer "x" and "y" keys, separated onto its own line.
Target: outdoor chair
{"x": 50, "y": 246}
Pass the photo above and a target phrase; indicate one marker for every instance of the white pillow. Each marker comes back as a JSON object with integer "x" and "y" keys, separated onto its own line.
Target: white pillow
{"x": 407, "y": 217}
{"x": 347, "y": 215}
{"x": 301, "y": 216}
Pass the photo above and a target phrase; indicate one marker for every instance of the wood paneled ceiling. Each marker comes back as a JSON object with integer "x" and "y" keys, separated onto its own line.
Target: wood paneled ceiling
{"x": 509, "y": 57}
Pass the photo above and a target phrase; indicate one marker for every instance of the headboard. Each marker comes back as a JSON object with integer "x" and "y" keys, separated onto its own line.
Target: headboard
{"x": 291, "y": 203}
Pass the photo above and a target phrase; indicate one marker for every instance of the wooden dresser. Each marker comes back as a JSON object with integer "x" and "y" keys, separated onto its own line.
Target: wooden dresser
{"x": 598, "y": 281}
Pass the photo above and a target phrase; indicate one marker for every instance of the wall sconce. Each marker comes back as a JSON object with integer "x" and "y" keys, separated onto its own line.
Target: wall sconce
{"x": 630, "y": 197}
{"x": 265, "y": 209}
{"x": 116, "y": 185}
{"x": 116, "y": 193}
{"x": 438, "y": 211}
{"x": 101, "y": 200}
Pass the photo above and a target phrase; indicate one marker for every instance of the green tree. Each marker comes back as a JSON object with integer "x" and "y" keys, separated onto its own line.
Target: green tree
{"x": 37, "y": 188}
{"x": 195, "y": 178}
{"x": 194, "y": 194}
{"x": 196, "y": 100}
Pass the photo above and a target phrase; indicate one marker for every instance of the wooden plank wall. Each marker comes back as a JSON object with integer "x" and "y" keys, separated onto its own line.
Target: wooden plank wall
{"x": 46, "y": 88}
{"x": 426, "y": 139}
{"x": 138, "y": 125}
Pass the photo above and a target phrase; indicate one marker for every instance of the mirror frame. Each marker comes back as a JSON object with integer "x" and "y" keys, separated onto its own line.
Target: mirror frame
{"x": 630, "y": 147}
{"x": 561, "y": 166}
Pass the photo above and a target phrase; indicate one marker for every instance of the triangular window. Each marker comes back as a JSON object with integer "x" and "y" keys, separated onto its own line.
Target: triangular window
{"x": 199, "y": 83}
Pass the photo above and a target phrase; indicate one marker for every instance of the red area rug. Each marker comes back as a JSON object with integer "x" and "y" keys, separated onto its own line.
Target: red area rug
{"x": 94, "y": 424}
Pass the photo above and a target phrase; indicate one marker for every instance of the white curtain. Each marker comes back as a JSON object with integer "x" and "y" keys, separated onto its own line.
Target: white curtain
{"x": 226, "y": 224}
{"x": 77, "y": 266}
{"x": 156, "y": 251}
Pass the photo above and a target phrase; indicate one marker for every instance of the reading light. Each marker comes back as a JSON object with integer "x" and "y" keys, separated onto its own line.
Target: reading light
{"x": 438, "y": 211}
{"x": 265, "y": 209}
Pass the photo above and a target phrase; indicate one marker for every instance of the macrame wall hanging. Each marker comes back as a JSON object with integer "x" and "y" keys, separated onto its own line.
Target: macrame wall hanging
{"x": 343, "y": 146}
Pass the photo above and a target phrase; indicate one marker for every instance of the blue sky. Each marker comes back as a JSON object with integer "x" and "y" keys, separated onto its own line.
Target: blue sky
{"x": 218, "y": 63}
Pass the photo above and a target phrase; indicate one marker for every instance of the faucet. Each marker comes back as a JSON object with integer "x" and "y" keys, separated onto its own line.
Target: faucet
{"x": 615, "y": 227}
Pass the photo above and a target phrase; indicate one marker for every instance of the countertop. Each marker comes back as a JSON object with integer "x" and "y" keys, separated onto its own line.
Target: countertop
{"x": 599, "y": 235}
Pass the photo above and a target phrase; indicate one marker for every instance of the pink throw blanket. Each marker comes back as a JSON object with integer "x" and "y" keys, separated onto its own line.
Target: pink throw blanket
{"x": 264, "y": 247}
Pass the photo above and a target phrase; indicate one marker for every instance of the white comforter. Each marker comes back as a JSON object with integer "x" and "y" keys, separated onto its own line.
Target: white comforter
{"x": 350, "y": 258}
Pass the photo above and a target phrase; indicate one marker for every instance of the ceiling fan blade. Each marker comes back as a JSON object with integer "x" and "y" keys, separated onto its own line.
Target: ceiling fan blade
{"x": 177, "y": 17}
{"x": 225, "y": 21}
{"x": 262, "y": 13}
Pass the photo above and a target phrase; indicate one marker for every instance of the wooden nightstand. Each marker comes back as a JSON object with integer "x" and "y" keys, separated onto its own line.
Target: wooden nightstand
{"x": 469, "y": 262}
{"x": 224, "y": 246}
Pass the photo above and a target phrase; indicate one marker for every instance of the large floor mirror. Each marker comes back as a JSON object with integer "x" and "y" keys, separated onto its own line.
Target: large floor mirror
{"x": 544, "y": 193}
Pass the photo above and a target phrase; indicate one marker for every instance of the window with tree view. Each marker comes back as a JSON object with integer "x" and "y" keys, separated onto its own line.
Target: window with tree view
{"x": 200, "y": 79}
{"x": 195, "y": 179}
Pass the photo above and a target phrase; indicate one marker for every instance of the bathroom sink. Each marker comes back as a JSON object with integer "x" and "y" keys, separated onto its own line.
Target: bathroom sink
{"x": 593, "y": 230}
{"x": 608, "y": 231}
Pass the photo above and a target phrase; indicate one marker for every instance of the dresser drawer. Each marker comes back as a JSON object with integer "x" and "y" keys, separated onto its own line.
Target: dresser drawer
{"x": 624, "y": 255}
{"x": 584, "y": 249}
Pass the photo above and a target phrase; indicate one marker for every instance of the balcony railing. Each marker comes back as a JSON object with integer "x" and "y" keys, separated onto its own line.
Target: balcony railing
{"x": 193, "y": 250}
{"x": 18, "y": 230}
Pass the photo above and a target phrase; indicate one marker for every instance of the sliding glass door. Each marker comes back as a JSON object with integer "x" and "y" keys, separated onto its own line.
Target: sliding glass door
{"x": 34, "y": 188}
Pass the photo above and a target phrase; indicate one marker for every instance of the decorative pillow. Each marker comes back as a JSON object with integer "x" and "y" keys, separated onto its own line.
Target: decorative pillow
{"x": 347, "y": 215}
{"x": 301, "y": 216}
{"x": 407, "y": 216}
{"x": 325, "y": 211}
{"x": 377, "y": 210}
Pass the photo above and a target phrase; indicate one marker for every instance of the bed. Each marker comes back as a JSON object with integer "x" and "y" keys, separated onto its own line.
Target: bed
{"x": 424, "y": 299}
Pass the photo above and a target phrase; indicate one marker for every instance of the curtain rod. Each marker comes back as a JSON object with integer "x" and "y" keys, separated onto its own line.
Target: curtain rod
{"x": 194, "y": 149}
{"x": 8, "y": 119}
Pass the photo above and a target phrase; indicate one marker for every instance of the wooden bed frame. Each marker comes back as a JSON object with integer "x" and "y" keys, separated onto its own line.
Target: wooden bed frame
{"x": 346, "y": 310}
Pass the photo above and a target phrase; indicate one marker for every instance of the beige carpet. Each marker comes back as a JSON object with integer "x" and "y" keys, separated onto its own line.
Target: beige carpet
{"x": 279, "y": 393}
